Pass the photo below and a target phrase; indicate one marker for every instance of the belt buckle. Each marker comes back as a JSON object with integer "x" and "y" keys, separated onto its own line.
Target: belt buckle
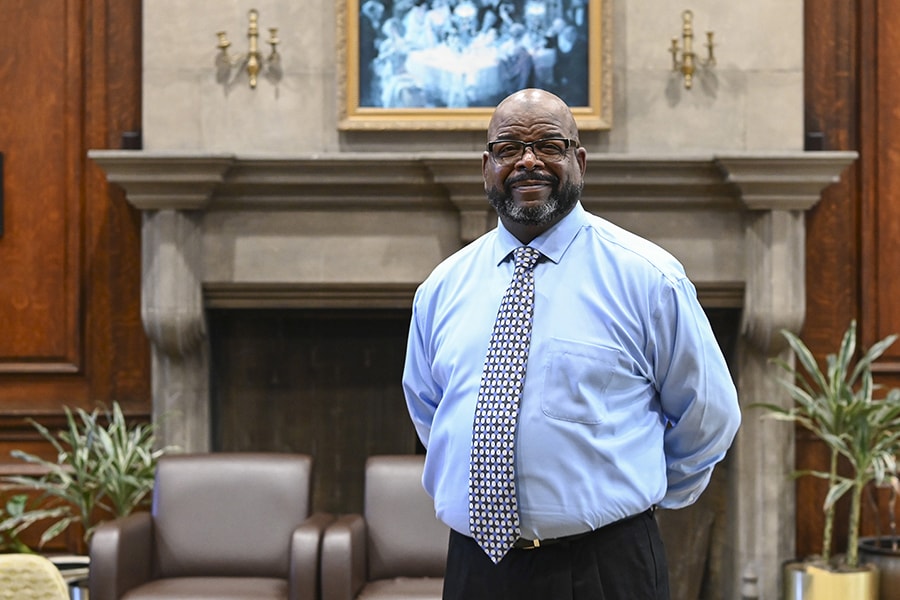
{"x": 534, "y": 544}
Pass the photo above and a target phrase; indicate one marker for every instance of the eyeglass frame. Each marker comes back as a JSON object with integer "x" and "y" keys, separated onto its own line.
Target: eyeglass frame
{"x": 570, "y": 143}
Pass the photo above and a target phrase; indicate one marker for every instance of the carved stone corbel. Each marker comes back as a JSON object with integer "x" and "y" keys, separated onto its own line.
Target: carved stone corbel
{"x": 172, "y": 296}
{"x": 775, "y": 287}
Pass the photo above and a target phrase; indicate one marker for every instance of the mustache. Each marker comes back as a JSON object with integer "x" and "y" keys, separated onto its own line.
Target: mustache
{"x": 531, "y": 177}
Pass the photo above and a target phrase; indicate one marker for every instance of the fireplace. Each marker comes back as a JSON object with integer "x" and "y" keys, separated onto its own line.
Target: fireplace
{"x": 357, "y": 232}
{"x": 324, "y": 382}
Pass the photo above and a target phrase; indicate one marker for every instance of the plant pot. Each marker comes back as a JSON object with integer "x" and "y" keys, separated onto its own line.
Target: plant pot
{"x": 804, "y": 581}
{"x": 877, "y": 550}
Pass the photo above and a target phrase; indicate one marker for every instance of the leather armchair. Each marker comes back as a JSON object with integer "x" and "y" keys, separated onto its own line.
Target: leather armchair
{"x": 230, "y": 526}
{"x": 396, "y": 549}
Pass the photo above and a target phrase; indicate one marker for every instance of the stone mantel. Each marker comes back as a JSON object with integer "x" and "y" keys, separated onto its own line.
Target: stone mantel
{"x": 362, "y": 229}
{"x": 185, "y": 180}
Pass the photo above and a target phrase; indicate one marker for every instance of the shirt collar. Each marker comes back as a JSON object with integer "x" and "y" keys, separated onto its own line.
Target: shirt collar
{"x": 553, "y": 243}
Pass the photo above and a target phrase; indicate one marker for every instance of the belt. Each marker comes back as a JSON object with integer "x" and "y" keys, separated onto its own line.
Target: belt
{"x": 526, "y": 544}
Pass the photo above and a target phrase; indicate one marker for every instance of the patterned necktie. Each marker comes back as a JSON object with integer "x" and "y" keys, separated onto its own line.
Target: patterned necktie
{"x": 493, "y": 511}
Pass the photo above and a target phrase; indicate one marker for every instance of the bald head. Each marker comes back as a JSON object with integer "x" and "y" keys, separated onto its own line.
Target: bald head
{"x": 536, "y": 105}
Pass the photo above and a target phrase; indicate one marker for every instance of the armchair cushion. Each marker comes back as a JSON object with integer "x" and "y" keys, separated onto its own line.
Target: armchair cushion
{"x": 405, "y": 588}
{"x": 210, "y": 588}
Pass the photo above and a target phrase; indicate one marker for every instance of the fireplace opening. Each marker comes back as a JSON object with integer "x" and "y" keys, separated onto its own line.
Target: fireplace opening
{"x": 326, "y": 382}
{"x": 321, "y": 382}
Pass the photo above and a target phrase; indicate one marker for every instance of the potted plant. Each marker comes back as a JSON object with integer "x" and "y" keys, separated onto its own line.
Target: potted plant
{"x": 838, "y": 406}
{"x": 104, "y": 469}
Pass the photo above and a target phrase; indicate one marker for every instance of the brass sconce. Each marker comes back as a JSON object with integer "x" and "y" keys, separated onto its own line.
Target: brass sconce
{"x": 253, "y": 60}
{"x": 689, "y": 60}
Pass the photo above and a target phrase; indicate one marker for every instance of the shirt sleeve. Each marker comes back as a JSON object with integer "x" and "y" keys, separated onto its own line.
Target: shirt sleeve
{"x": 697, "y": 395}
{"x": 421, "y": 391}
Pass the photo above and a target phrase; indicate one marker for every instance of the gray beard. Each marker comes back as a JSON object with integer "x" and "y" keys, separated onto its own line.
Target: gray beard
{"x": 558, "y": 204}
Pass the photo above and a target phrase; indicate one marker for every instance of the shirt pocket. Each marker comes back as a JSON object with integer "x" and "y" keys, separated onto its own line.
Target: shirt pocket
{"x": 575, "y": 377}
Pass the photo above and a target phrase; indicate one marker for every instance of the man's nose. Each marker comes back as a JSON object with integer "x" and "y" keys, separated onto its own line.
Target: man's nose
{"x": 529, "y": 158}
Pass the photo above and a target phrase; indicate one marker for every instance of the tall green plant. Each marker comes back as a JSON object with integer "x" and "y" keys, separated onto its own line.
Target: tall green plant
{"x": 838, "y": 407}
{"x": 104, "y": 468}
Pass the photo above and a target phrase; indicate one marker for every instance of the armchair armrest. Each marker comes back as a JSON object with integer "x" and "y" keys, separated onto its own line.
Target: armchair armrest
{"x": 306, "y": 545}
{"x": 344, "y": 558}
{"x": 120, "y": 553}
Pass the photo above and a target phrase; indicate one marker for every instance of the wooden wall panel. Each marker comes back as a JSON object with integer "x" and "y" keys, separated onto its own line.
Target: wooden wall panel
{"x": 852, "y": 55}
{"x": 831, "y": 49}
{"x": 881, "y": 194}
{"x": 70, "y": 256}
{"x": 832, "y": 253}
{"x": 40, "y": 303}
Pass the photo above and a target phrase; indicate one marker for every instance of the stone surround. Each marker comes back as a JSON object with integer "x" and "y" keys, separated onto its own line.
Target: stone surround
{"x": 362, "y": 230}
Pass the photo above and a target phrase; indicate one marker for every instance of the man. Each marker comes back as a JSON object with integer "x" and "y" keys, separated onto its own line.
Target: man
{"x": 626, "y": 402}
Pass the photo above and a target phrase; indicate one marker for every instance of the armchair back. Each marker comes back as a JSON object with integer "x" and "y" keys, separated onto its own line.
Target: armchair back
{"x": 405, "y": 539}
{"x": 233, "y": 520}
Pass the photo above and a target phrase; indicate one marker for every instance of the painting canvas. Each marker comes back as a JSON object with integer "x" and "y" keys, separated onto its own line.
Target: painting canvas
{"x": 443, "y": 64}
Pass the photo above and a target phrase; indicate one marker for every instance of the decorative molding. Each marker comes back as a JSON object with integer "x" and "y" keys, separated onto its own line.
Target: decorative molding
{"x": 789, "y": 181}
{"x": 43, "y": 366}
{"x": 155, "y": 181}
{"x": 185, "y": 180}
{"x": 307, "y": 295}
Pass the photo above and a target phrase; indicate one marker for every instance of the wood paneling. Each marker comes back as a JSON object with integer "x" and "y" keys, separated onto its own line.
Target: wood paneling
{"x": 70, "y": 254}
{"x": 40, "y": 133}
{"x": 881, "y": 190}
{"x": 831, "y": 46}
{"x": 832, "y": 253}
{"x": 852, "y": 55}
{"x": 70, "y": 329}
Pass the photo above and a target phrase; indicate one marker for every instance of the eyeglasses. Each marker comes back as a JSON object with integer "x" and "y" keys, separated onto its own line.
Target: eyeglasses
{"x": 507, "y": 152}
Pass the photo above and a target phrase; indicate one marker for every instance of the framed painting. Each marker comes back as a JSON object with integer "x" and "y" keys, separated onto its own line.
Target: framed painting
{"x": 445, "y": 64}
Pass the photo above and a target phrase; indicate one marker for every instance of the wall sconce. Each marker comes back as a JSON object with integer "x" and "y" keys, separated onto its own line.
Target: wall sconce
{"x": 253, "y": 60}
{"x": 688, "y": 62}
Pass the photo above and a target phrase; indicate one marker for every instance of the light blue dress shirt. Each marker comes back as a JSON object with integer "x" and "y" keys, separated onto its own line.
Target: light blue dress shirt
{"x": 627, "y": 400}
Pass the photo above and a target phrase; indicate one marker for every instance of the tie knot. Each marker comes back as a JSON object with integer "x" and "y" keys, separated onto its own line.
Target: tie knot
{"x": 526, "y": 257}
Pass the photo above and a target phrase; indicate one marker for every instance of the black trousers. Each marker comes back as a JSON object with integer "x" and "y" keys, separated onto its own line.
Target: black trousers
{"x": 622, "y": 561}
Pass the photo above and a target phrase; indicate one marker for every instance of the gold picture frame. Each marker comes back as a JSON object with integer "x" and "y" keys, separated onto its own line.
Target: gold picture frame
{"x": 400, "y": 70}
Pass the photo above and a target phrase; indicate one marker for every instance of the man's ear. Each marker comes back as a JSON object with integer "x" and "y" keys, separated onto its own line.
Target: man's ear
{"x": 581, "y": 157}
